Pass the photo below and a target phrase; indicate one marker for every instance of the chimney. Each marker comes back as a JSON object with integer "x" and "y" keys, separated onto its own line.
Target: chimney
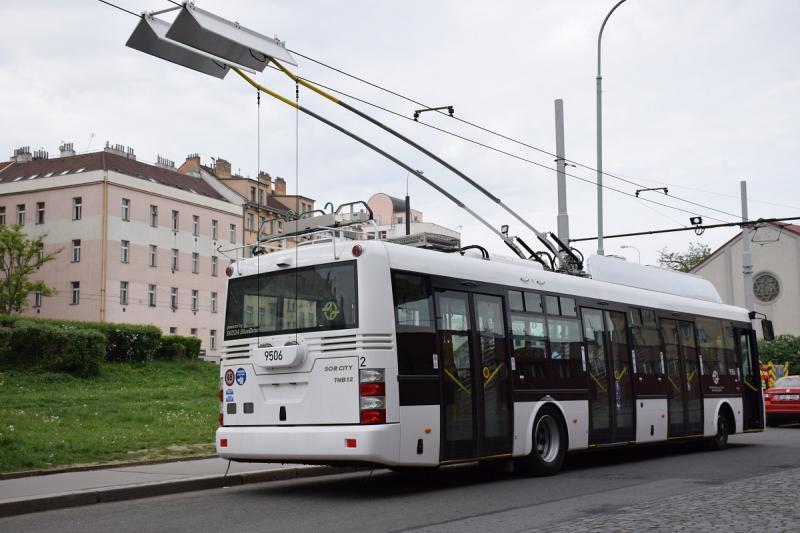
{"x": 265, "y": 180}
{"x": 280, "y": 187}
{"x": 66, "y": 150}
{"x": 222, "y": 169}
{"x": 120, "y": 149}
{"x": 163, "y": 162}
{"x": 40, "y": 154}
{"x": 191, "y": 165}
{"x": 22, "y": 155}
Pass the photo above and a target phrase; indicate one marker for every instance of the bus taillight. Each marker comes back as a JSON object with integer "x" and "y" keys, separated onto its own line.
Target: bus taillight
{"x": 372, "y": 395}
{"x": 220, "y": 419}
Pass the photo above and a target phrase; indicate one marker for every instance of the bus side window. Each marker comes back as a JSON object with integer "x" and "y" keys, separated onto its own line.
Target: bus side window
{"x": 413, "y": 311}
{"x": 711, "y": 343}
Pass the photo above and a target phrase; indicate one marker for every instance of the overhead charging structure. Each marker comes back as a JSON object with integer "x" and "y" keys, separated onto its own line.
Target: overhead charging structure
{"x": 207, "y": 43}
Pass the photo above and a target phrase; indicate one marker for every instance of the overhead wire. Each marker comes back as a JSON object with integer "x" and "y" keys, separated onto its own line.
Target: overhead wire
{"x": 495, "y": 149}
{"x": 496, "y": 133}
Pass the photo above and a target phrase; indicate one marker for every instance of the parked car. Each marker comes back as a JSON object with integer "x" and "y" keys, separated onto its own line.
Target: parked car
{"x": 782, "y": 402}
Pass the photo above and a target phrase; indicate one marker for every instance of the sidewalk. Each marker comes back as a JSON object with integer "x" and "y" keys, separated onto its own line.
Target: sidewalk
{"x": 70, "y": 489}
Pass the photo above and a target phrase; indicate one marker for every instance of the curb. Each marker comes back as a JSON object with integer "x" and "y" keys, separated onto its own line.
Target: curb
{"x": 93, "y": 496}
{"x": 101, "y": 466}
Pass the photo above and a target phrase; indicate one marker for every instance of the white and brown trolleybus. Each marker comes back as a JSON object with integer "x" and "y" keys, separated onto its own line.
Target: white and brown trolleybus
{"x": 350, "y": 352}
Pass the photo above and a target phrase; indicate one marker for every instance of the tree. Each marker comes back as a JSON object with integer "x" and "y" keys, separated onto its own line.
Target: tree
{"x": 19, "y": 259}
{"x": 684, "y": 262}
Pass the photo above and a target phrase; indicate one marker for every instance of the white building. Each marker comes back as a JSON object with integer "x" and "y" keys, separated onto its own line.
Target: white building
{"x": 776, "y": 274}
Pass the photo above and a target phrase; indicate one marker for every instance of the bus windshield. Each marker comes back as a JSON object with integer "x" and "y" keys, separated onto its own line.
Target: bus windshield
{"x": 318, "y": 298}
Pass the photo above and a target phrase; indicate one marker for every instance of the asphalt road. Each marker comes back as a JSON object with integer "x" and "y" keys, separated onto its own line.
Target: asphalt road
{"x": 664, "y": 487}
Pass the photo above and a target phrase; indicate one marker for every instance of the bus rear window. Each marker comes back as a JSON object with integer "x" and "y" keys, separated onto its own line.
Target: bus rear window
{"x": 317, "y": 298}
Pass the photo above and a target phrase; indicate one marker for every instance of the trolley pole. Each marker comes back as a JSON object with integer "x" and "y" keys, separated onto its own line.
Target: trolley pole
{"x": 563, "y": 217}
{"x": 747, "y": 257}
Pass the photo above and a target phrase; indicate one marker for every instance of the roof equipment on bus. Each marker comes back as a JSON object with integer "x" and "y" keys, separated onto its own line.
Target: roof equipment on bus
{"x": 429, "y": 241}
{"x": 308, "y": 222}
{"x": 484, "y": 251}
{"x": 542, "y": 236}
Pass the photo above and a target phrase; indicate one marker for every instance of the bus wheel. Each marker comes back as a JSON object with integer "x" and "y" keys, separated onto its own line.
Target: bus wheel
{"x": 720, "y": 440}
{"x": 549, "y": 445}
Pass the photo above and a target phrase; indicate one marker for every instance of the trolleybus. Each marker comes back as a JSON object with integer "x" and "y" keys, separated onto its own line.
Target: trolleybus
{"x": 371, "y": 352}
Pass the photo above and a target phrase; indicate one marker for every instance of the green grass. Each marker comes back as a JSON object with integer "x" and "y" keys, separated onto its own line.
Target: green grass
{"x": 129, "y": 413}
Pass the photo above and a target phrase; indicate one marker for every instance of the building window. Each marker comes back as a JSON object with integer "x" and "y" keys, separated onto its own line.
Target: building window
{"x": 253, "y": 194}
{"x": 213, "y": 302}
{"x": 174, "y": 259}
{"x": 76, "y": 293}
{"x": 40, "y": 252}
{"x": 194, "y": 299}
{"x": 173, "y": 298}
{"x": 76, "y": 250}
{"x": 77, "y": 208}
{"x": 123, "y": 251}
{"x": 40, "y": 212}
{"x": 214, "y": 230}
{"x": 195, "y": 225}
{"x": 175, "y": 220}
{"x": 2, "y": 216}
{"x": 153, "y": 260}
{"x": 195, "y": 263}
{"x": 173, "y": 330}
{"x": 766, "y": 287}
{"x": 154, "y": 216}
{"x": 21, "y": 214}
{"x": 250, "y": 221}
{"x": 37, "y": 298}
{"x": 233, "y": 233}
{"x": 261, "y": 222}
{"x": 123, "y": 293}
{"x": 212, "y": 339}
{"x": 261, "y": 196}
{"x": 126, "y": 209}
{"x": 151, "y": 295}
{"x": 213, "y": 265}
{"x": 193, "y": 332}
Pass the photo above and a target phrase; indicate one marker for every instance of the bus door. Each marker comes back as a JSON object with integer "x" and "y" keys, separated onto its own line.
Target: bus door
{"x": 476, "y": 399}
{"x": 684, "y": 401}
{"x": 752, "y": 399}
{"x": 611, "y": 403}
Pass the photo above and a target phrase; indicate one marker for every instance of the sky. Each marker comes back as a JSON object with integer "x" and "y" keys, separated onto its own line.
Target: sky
{"x": 697, "y": 96}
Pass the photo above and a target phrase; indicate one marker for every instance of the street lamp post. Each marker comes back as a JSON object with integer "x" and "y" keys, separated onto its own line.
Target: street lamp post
{"x": 638, "y": 253}
{"x": 600, "y": 137}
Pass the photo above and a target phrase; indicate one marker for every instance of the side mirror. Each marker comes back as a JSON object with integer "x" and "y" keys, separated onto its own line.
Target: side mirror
{"x": 766, "y": 328}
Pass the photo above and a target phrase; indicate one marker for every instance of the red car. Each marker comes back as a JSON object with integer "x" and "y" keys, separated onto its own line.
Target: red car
{"x": 782, "y": 402}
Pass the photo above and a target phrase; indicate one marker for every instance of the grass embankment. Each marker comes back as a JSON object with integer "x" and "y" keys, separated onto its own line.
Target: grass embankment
{"x": 130, "y": 412}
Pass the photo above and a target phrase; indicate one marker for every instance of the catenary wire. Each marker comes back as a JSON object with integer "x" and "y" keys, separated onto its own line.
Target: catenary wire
{"x": 498, "y": 150}
{"x": 481, "y": 128}
{"x": 498, "y": 134}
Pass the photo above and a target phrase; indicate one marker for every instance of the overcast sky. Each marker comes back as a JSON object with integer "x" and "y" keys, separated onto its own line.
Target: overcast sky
{"x": 697, "y": 96}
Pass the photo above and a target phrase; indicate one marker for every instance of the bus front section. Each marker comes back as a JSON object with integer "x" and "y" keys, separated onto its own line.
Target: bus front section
{"x": 309, "y": 366}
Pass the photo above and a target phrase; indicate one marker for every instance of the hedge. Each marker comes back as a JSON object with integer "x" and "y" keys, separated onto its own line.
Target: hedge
{"x": 43, "y": 346}
{"x": 784, "y": 348}
{"x": 179, "y": 347}
{"x": 123, "y": 342}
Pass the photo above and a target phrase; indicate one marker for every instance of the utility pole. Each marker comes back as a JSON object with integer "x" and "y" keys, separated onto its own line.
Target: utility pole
{"x": 747, "y": 257}
{"x": 563, "y": 217}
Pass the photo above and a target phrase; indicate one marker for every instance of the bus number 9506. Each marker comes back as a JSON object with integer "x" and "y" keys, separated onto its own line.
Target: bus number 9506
{"x": 273, "y": 355}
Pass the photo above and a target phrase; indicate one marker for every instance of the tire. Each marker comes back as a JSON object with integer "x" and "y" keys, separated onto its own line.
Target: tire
{"x": 720, "y": 440}
{"x": 549, "y": 445}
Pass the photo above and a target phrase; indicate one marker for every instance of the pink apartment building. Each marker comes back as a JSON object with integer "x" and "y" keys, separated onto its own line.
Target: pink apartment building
{"x": 139, "y": 242}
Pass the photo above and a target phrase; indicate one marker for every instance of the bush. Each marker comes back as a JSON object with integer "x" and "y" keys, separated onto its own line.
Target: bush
{"x": 123, "y": 342}
{"x": 179, "y": 347}
{"x": 5, "y": 340}
{"x": 43, "y": 346}
{"x": 783, "y": 348}
{"x": 172, "y": 347}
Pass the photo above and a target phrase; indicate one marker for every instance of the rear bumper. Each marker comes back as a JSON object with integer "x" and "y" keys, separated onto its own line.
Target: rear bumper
{"x": 775, "y": 408}
{"x": 378, "y": 443}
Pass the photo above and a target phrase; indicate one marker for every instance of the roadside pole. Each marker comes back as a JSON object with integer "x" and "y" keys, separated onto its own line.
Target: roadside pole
{"x": 747, "y": 257}
{"x": 563, "y": 217}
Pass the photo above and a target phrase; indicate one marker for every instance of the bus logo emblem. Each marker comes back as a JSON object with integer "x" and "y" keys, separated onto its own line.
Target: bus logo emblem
{"x": 715, "y": 377}
{"x": 330, "y": 311}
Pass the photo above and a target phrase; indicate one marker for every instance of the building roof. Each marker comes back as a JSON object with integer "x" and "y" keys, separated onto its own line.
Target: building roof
{"x": 4, "y": 164}
{"x": 791, "y": 228}
{"x": 60, "y": 166}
